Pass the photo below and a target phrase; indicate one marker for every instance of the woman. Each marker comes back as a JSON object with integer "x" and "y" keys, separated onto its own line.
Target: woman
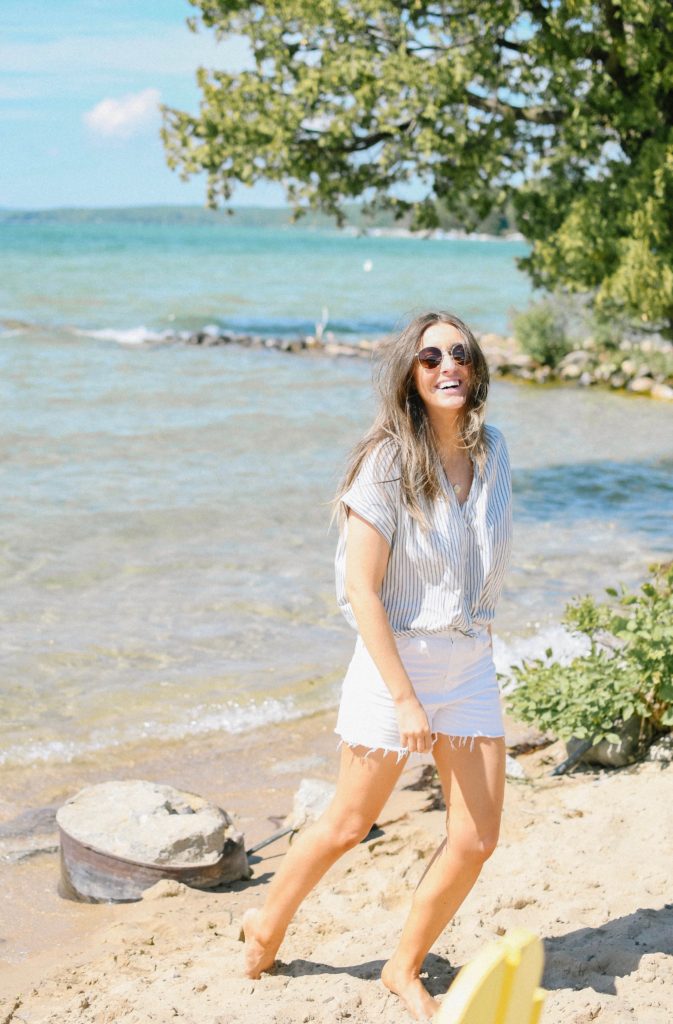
{"x": 424, "y": 544}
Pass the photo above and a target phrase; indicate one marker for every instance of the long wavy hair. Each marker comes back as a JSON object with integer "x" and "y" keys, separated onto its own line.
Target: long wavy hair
{"x": 402, "y": 418}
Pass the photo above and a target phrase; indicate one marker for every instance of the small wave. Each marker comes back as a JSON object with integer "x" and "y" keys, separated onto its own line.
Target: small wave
{"x": 565, "y": 647}
{"x": 228, "y": 718}
{"x": 232, "y": 718}
{"x": 130, "y": 336}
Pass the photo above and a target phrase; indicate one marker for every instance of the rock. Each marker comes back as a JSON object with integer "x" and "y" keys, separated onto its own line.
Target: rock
{"x": 521, "y": 361}
{"x": 513, "y": 770}
{"x": 617, "y": 380}
{"x": 542, "y": 375}
{"x": 334, "y": 349}
{"x": 661, "y": 750}
{"x": 629, "y": 367}
{"x": 497, "y": 360}
{"x": 311, "y": 799}
{"x": 641, "y": 385}
{"x": 577, "y": 358}
{"x": 118, "y": 839}
{"x": 148, "y": 823}
{"x": 571, "y": 372}
{"x": 519, "y": 736}
{"x": 586, "y": 379}
{"x": 663, "y": 391}
{"x": 292, "y": 345}
{"x": 634, "y": 735}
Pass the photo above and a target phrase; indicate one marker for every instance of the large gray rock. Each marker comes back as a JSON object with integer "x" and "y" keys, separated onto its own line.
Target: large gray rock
{"x": 148, "y": 823}
{"x": 634, "y": 737}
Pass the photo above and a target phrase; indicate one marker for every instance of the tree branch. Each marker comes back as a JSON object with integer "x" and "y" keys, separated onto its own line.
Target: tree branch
{"x": 533, "y": 115}
{"x": 508, "y": 44}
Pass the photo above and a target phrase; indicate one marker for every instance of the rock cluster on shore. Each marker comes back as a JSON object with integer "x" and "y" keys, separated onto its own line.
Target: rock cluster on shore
{"x": 631, "y": 367}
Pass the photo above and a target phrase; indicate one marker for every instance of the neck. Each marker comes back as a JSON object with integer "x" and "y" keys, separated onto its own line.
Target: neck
{"x": 447, "y": 432}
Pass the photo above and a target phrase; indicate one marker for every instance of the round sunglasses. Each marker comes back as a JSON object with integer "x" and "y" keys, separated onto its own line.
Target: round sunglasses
{"x": 431, "y": 357}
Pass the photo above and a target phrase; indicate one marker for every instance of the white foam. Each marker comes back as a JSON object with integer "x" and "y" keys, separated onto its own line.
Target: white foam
{"x": 229, "y": 718}
{"x": 131, "y": 336}
{"x": 564, "y": 645}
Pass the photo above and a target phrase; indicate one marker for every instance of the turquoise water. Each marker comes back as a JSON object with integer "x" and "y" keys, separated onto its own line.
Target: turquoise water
{"x": 166, "y": 559}
{"x": 122, "y": 276}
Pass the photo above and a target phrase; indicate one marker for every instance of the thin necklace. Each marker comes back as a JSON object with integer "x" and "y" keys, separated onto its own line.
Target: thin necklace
{"x": 457, "y": 488}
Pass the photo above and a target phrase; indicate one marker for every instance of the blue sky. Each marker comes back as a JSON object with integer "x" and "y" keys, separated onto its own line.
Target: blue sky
{"x": 79, "y": 85}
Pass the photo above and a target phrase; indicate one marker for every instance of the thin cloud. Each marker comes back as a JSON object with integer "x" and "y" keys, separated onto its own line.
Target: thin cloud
{"x": 150, "y": 50}
{"x": 128, "y": 115}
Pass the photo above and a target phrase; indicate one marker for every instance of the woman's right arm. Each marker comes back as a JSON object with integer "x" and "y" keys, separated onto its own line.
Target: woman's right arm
{"x": 367, "y": 553}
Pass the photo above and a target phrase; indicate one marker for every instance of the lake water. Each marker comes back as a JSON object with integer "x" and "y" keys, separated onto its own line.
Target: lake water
{"x": 166, "y": 562}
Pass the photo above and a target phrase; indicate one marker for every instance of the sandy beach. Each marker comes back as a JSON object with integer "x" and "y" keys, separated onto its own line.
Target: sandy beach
{"x": 583, "y": 860}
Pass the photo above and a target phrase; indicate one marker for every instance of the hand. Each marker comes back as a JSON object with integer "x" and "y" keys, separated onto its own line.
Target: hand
{"x": 414, "y": 726}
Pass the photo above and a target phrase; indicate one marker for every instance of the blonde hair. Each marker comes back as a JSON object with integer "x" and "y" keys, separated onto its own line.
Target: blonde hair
{"x": 403, "y": 420}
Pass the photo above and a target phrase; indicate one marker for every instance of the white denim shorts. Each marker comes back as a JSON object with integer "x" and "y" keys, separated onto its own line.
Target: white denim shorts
{"x": 453, "y": 676}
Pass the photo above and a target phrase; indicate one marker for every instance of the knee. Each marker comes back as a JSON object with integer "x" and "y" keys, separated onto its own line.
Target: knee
{"x": 471, "y": 845}
{"x": 344, "y": 833}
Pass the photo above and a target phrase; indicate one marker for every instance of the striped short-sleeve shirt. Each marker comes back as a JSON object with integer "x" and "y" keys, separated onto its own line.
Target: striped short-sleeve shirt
{"x": 450, "y": 573}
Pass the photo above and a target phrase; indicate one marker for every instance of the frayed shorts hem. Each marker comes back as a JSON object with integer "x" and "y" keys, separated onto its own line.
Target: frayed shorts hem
{"x": 455, "y": 740}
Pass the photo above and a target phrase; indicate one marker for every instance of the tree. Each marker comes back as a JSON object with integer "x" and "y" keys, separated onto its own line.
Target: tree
{"x": 564, "y": 107}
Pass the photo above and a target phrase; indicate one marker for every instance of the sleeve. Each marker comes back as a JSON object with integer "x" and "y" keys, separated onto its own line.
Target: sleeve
{"x": 374, "y": 494}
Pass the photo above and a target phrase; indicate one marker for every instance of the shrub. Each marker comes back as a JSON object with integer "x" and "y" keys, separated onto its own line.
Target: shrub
{"x": 541, "y": 332}
{"x": 628, "y": 670}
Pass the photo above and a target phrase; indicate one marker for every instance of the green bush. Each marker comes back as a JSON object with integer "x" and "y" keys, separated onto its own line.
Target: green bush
{"x": 541, "y": 332}
{"x": 628, "y": 670}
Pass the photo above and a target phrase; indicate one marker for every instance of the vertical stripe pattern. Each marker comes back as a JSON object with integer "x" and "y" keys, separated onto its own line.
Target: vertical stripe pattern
{"x": 450, "y": 574}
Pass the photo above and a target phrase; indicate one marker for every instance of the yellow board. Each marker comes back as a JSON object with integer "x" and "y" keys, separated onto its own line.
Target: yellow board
{"x": 500, "y": 986}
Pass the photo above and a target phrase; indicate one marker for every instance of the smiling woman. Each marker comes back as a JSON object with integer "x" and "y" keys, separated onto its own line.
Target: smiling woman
{"x": 420, "y": 566}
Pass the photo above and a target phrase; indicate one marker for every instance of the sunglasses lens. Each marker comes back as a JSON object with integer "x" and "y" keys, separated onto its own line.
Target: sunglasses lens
{"x": 430, "y": 358}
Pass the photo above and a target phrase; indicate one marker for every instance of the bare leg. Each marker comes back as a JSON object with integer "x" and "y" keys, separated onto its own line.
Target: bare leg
{"x": 363, "y": 787}
{"x": 473, "y": 782}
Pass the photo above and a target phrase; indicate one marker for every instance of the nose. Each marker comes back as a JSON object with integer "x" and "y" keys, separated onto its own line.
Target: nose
{"x": 446, "y": 355}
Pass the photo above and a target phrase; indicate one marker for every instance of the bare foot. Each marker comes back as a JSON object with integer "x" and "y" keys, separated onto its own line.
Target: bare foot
{"x": 258, "y": 955}
{"x": 411, "y": 991}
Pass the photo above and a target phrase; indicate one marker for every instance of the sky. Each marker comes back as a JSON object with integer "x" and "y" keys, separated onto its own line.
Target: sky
{"x": 80, "y": 81}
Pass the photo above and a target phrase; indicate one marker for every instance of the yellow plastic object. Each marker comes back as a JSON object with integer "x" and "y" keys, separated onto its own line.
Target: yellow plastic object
{"x": 500, "y": 986}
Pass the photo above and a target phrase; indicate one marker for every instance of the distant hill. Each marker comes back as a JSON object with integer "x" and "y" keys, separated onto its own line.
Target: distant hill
{"x": 497, "y": 223}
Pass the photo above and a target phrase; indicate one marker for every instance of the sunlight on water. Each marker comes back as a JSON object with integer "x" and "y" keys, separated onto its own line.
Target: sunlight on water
{"x": 166, "y": 559}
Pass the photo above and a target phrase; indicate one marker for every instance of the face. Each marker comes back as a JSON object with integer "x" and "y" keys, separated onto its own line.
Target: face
{"x": 445, "y": 387}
